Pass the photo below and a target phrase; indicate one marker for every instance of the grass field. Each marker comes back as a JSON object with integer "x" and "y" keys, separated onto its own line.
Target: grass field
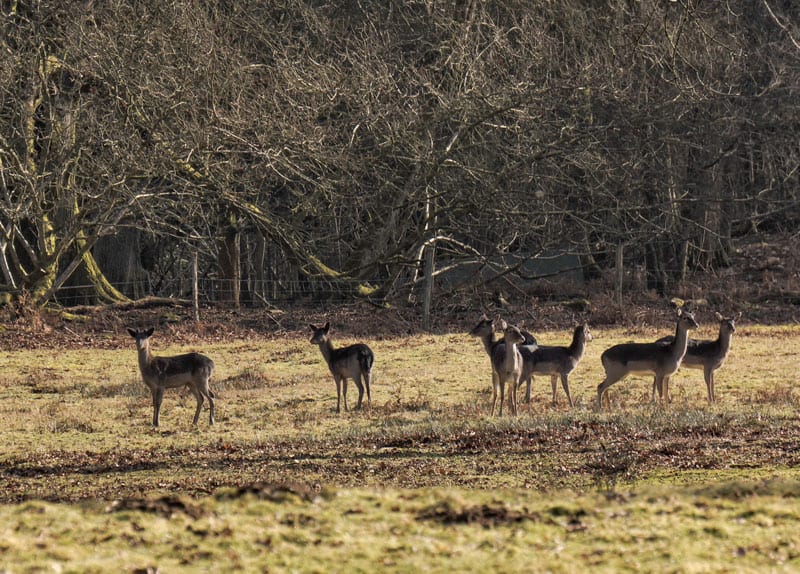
{"x": 424, "y": 480}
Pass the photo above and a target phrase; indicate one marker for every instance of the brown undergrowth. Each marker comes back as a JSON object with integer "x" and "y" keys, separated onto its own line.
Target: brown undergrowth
{"x": 542, "y": 452}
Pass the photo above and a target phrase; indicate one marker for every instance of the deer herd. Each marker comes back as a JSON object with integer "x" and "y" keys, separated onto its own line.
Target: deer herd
{"x": 515, "y": 357}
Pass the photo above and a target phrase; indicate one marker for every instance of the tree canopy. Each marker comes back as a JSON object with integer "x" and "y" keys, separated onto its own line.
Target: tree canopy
{"x": 289, "y": 140}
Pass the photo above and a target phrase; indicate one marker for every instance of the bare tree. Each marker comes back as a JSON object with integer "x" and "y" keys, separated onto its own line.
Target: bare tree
{"x": 369, "y": 147}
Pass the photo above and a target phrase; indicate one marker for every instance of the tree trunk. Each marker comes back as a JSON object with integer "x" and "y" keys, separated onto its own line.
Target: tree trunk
{"x": 119, "y": 256}
{"x": 229, "y": 260}
{"x": 430, "y": 262}
{"x": 656, "y": 276}
{"x": 259, "y": 267}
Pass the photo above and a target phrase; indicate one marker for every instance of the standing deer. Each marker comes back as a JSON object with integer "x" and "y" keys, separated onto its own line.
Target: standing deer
{"x": 192, "y": 370}
{"x": 554, "y": 361}
{"x": 351, "y": 362}
{"x": 659, "y": 360}
{"x": 485, "y": 330}
{"x": 507, "y": 367}
{"x": 708, "y": 355}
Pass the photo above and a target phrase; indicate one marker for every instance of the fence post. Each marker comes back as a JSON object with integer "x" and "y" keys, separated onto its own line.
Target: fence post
{"x": 620, "y": 273}
{"x": 195, "y": 288}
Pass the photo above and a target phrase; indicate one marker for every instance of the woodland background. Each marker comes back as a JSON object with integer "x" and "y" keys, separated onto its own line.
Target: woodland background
{"x": 300, "y": 149}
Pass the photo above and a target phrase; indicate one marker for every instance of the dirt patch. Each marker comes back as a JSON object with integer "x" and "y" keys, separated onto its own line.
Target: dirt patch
{"x": 166, "y": 506}
{"x": 487, "y": 515}
{"x": 274, "y": 492}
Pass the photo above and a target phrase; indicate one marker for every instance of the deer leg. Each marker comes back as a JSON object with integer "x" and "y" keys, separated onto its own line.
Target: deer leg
{"x": 528, "y": 391}
{"x": 199, "y": 397}
{"x": 367, "y": 382}
{"x": 528, "y": 385}
{"x": 664, "y": 384}
{"x": 603, "y": 387}
{"x": 713, "y": 386}
{"x": 344, "y": 393}
{"x": 565, "y": 384}
{"x": 205, "y": 390}
{"x": 158, "y": 396}
{"x": 338, "y": 380}
{"x": 502, "y": 396}
{"x": 360, "y": 386}
{"x": 512, "y": 397}
{"x": 553, "y": 387}
{"x": 658, "y": 385}
{"x": 708, "y": 374}
{"x": 524, "y": 379}
{"x": 495, "y": 385}
{"x": 210, "y": 398}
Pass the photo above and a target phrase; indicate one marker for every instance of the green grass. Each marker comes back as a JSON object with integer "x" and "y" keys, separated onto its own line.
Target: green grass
{"x": 738, "y": 527}
{"x": 425, "y": 480}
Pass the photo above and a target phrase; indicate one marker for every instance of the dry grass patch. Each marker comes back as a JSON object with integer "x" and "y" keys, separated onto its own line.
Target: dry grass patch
{"x": 291, "y": 527}
{"x": 410, "y": 483}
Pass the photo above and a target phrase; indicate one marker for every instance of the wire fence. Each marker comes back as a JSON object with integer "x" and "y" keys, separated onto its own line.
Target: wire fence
{"x": 210, "y": 291}
{"x": 761, "y": 281}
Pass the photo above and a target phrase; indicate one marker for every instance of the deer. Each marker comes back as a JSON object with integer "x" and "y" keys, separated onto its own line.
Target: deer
{"x": 708, "y": 355}
{"x": 351, "y": 362}
{"x": 659, "y": 360}
{"x": 192, "y": 370}
{"x": 507, "y": 367}
{"x": 485, "y": 330}
{"x": 554, "y": 361}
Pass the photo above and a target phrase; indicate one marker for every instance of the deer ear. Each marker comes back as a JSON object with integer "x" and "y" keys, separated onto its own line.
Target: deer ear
{"x": 149, "y": 332}
{"x": 327, "y": 326}
{"x": 132, "y": 332}
{"x": 313, "y": 327}
{"x": 718, "y": 316}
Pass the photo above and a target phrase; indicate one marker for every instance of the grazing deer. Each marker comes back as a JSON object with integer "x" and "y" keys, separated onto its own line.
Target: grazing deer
{"x": 192, "y": 370}
{"x": 485, "y": 330}
{"x": 659, "y": 360}
{"x": 554, "y": 361}
{"x": 507, "y": 367}
{"x": 708, "y": 355}
{"x": 351, "y": 362}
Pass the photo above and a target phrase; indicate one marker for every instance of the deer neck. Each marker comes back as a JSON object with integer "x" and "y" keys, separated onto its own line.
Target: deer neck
{"x": 488, "y": 342}
{"x": 680, "y": 341}
{"x": 512, "y": 357}
{"x": 578, "y": 345}
{"x": 145, "y": 357}
{"x": 326, "y": 347}
{"x": 724, "y": 340}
